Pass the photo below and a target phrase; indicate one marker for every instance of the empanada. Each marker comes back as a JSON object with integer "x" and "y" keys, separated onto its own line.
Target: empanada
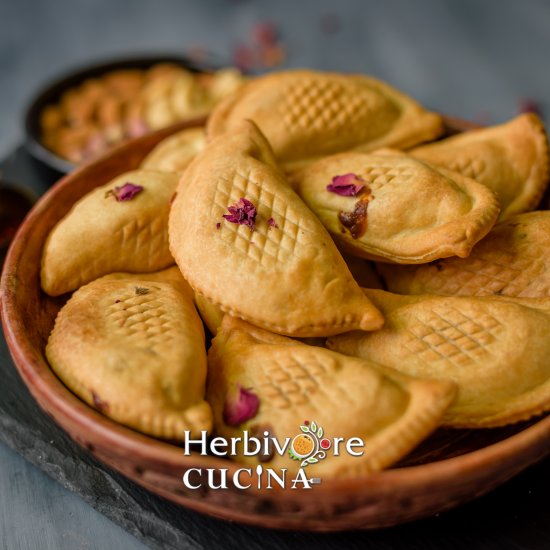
{"x": 293, "y": 383}
{"x": 308, "y": 114}
{"x": 512, "y": 260}
{"x": 511, "y": 159}
{"x": 246, "y": 242}
{"x": 174, "y": 153}
{"x": 119, "y": 226}
{"x": 495, "y": 349}
{"x": 132, "y": 346}
{"x": 394, "y": 208}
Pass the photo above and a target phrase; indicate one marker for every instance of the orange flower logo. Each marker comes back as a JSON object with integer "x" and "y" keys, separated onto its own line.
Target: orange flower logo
{"x": 309, "y": 446}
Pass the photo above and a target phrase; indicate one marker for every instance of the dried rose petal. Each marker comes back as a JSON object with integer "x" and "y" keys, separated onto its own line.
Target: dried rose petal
{"x": 271, "y": 222}
{"x": 265, "y": 33}
{"x": 218, "y": 225}
{"x": 243, "y": 213}
{"x": 243, "y": 57}
{"x": 529, "y": 105}
{"x": 347, "y": 185}
{"x": 125, "y": 192}
{"x": 240, "y": 406}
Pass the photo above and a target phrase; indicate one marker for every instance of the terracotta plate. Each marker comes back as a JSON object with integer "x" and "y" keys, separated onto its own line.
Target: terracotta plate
{"x": 451, "y": 467}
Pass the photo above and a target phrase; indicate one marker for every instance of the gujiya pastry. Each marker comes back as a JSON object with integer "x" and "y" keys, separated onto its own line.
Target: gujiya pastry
{"x": 303, "y": 187}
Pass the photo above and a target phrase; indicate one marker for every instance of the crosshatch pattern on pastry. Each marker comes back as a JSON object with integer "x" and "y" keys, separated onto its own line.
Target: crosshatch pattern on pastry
{"x": 383, "y": 174}
{"x": 485, "y": 275}
{"x": 511, "y": 261}
{"x": 290, "y": 382}
{"x": 143, "y": 236}
{"x": 469, "y": 167}
{"x": 314, "y": 105}
{"x": 448, "y": 335}
{"x": 145, "y": 233}
{"x": 266, "y": 245}
{"x": 142, "y": 319}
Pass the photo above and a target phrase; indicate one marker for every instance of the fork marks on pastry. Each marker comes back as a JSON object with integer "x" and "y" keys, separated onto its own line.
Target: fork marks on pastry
{"x": 142, "y": 319}
{"x": 143, "y": 236}
{"x": 446, "y": 334}
{"x": 266, "y": 245}
{"x": 291, "y": 381}
{"x": 318, "y": 105}
{"x": 383, "y": 174}
{"x": 471, "y": 167}
{"x": 521, "y": 273}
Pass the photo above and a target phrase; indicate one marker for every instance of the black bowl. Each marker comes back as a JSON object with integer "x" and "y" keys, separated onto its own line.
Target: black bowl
{"x": 52, "y": 92}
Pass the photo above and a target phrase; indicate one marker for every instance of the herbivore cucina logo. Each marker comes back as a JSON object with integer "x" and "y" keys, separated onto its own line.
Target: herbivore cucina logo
{"x": 309, "y": 446}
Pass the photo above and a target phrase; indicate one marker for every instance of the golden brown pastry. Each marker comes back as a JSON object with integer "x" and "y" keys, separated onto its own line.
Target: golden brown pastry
{"x": 511, "y": 159}
{"x": 246, "y": 242}
{"x": 175, "y": 153}
{"x": 495, "y": 349}
{"x": 262, "y": 382}
{"x": 178, "y": 94}
{"x": 512, "y": 260}
{"x": 390, "y": 207}
{"x": 132, "y": 346}
{"x": 119, "y": 226}
{"x": 308, "y": 114}
{"x": 211, "y": 315}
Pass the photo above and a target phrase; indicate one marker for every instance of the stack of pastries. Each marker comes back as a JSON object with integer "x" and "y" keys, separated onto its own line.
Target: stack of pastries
{"x": 350, "y": 268}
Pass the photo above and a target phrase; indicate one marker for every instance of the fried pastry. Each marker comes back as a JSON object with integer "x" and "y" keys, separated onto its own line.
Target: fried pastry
{"x": 132, "y": 346}
{"x": 246, "y": 242}
{"x": 174, "y": 153}
{"x": 211, "y": 315}
{"x": 388, "y": 206}
{"x": 512, "y": 260}
{"x": 286, "y": 382}
{"x": 511, "y": 159}
{"x": 309, "y": 114}
{"x": 119, "y": 226}
{"x": 494, "y": 348}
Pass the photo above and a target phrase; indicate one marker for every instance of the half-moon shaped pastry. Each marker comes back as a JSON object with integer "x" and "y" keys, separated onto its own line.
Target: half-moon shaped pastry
{"x": 394, "y": 208}
{"x": 133, "y": 347}
{"x": 495, "y": 349}
{"x": 512, "y": 260}
{"x": 511, "y": 159}
{"x": 175, "y": 153}
{"x": 261, "y": 382}
{"x": 119, "y": 226}
{"x": 309, "y": 114}
{"x": 246, "y": 242}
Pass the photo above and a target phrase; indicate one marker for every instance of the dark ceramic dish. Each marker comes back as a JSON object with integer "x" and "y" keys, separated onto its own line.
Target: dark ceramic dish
{"x": 53, "y": 91}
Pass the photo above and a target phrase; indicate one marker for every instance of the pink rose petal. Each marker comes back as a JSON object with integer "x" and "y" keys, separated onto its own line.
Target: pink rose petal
{"x": 347, "y": 185}
{"x": 125, "y": 192}
{"x": 240, "y": 406}
{"x": 242, "y": 213}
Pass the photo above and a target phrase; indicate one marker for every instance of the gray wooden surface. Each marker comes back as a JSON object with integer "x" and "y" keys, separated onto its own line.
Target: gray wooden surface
{"x": 469, "y": 58}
